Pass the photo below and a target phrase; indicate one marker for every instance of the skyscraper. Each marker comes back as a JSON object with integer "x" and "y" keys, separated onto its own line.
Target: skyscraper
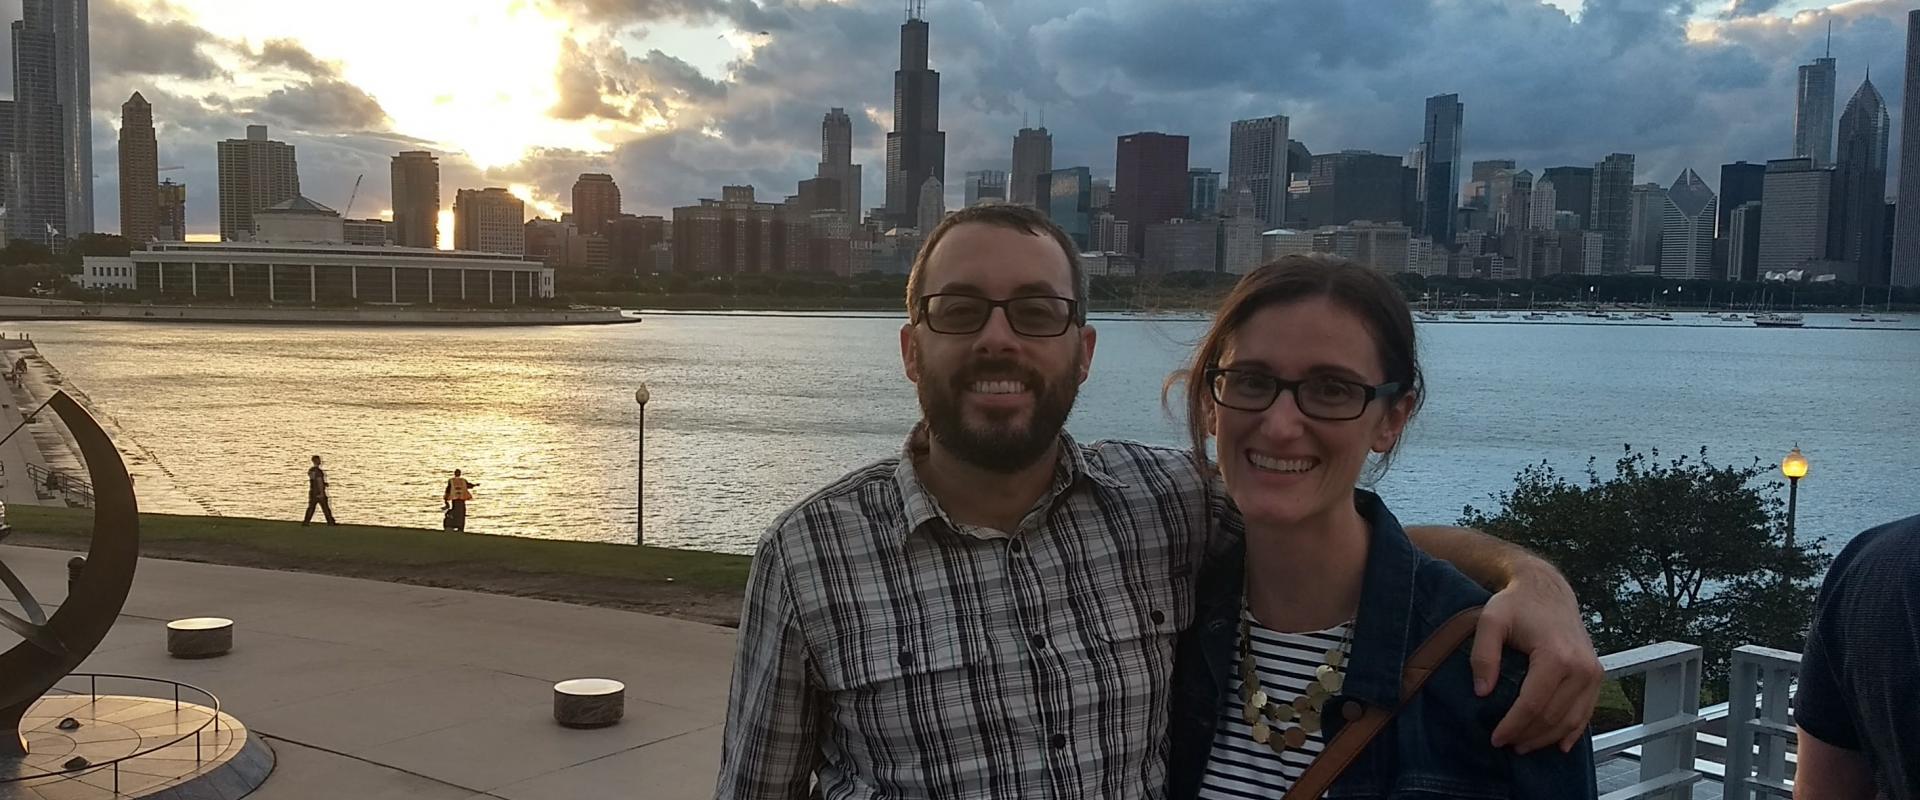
{"x": 1798, "y": 207}
{"x": 139, "y": 171}
{"x": 1860, "y": 185}
{"x": 1649, "y": 219}
{"x": 74, "y": 84}
{"x": 836, "y": 160}
{"x": 596, "y": 200}
{"x": 932, "y": 205}
{"x": 1150, "y": 176}
{"x": 1740, "y": 183}
{"x": 170, "y": 217}
{"x": 38, "y": 208}
{"x": 1069, "y": 203}
{"x": 1572, "y": 191}
{"x": 1203, "y": 193}
{"x": 1906, "y": 230}
{"x": 985, "y": 184}
{"x": 916, "y": 149}
{"x": 1355, "y": 185}
{"x": 1686, "y": 240}
{"x": 1257, "y": 158}
{"x": 489, "y": 220}
{"x": 1813, "y": 112}
{"x": 1032, "y": 157}
{"x": 1613, "y": 209}
{"x": 255, "y": 173}
{"x": 416, "y": 199}
{"x": 1440, "y": 169}
{"x": 1742, "y": 233}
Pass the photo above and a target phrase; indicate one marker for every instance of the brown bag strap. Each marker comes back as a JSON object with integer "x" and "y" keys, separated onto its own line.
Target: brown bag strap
{"x": 1353, "y": 738}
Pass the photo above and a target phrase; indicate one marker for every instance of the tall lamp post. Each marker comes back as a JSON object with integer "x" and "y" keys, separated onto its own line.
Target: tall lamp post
{"x": 1794, "y": 466}
{"x": 641, "y": 396}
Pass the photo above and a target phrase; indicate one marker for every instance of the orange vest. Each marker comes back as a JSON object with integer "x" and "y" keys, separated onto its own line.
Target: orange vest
{"x": 457, "y": 490}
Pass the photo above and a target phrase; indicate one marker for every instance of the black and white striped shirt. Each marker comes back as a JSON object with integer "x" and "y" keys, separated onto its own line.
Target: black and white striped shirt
{"x": 895, "y": 654}
{"x": 1240, "y": 768}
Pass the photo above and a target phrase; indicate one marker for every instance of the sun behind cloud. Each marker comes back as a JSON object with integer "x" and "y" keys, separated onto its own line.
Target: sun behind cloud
{"x": 476, "y": 77}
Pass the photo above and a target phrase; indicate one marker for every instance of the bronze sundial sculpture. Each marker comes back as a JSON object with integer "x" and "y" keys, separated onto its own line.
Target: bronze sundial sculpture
{"x": 53, "y": 646}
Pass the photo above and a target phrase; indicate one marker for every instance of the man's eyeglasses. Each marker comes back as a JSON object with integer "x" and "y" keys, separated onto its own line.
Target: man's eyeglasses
{"x": 1322, "y": 398}
{"x": 1039, "y": 317}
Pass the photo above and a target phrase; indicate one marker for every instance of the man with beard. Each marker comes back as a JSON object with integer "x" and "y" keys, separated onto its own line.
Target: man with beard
{"x": 992, "y": 614}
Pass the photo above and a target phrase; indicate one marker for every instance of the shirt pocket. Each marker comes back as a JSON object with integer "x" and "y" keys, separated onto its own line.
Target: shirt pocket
{"x": 1126, "y": 612}
{"x": 877, "y": 657}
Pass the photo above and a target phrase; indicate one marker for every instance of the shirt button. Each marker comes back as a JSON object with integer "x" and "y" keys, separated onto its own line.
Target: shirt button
{"x": 1157, "y": 617}
{"x": 1039, "y": 642}
{"x": 1059, "y": 741}
{"x": 1016, "y": 547}
{"x": 906, "y": 658}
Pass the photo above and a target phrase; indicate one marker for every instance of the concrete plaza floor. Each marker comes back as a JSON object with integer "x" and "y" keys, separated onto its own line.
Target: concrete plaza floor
{"x": 378, "y": 690}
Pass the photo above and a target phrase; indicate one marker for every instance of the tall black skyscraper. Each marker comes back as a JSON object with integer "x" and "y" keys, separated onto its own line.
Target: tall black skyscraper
{"x": 916, "y": 149}
{"x": 1860, "y": 184}
{"x": 37, "y": 201}
{"x": 1439, "y": 169}
{"x": 1740, "y": 184}
{"x": 1613, "y": 209}
{"x": 1906, "y": 231}
{"x": 1573, "y": 191}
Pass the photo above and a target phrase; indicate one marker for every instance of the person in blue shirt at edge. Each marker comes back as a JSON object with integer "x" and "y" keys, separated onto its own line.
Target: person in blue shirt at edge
{"x": 1309, "y": 371}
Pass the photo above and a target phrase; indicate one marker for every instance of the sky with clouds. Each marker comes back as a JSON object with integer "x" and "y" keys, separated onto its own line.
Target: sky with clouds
{"x": 678, "y": 97}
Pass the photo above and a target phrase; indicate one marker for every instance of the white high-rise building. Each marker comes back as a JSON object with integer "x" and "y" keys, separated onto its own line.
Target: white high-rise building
{"x": 1686, "y": 239}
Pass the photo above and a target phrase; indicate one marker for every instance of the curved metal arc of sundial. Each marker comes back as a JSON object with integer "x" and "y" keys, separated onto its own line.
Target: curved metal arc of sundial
{"x": 95, "y": 598}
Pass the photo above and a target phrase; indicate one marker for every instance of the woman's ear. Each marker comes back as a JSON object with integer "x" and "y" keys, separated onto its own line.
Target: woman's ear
{"x": 1394, "y": 423}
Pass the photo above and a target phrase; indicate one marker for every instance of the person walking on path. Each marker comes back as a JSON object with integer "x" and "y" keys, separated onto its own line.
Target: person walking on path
{"x": 454, "y": 502}
{"x": 317, "y": 494}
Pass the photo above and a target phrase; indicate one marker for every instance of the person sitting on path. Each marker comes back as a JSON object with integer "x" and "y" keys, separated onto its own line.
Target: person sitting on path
{"x": 317, "y": 494}
{"x": 454, "y": 502}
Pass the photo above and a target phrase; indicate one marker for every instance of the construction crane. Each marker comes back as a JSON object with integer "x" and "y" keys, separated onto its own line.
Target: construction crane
{"x": 348, "y": 214}
{"x": 170, "y": 169}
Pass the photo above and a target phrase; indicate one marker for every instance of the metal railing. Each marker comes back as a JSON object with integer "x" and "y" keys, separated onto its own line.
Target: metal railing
{"x": 58, "y": 481}
{"x": 1760, "y": 724}
{"x": 1665, "y": 738}
{"x": 83, "y": 767}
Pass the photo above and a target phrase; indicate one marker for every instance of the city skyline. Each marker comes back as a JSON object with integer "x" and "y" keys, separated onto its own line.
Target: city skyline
{"x": 744, "y": 107}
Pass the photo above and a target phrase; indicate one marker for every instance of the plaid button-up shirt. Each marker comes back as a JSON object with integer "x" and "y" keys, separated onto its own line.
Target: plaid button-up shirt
{"x": 893, "y": 653}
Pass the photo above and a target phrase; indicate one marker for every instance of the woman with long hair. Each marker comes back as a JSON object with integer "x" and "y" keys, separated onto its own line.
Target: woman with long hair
{"x": 1295, "y": 674}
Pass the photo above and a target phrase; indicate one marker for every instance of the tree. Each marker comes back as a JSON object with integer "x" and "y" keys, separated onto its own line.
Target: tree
{"x": 1682, "y": 550}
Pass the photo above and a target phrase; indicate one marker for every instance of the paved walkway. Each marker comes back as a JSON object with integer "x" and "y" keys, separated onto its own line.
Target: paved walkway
{"x": 377, "y": 690}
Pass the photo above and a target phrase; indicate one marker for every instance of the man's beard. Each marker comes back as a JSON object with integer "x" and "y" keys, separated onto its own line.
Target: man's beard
{"x": 999, "y": 447}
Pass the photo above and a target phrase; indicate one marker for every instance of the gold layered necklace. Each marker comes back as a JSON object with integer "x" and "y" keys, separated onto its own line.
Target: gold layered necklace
{"x": 1287, "y": 725}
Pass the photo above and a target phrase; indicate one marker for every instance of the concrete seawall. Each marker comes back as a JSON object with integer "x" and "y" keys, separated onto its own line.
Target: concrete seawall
{"x": 45, "y": 310}
{"x": 46, "y": 442}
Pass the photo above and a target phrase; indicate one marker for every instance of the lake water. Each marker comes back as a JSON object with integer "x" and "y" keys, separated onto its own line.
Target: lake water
{"x": 752, "y": 413}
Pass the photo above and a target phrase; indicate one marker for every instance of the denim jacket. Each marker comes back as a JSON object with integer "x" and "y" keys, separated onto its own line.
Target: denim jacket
{"x": 1436, "y": 747}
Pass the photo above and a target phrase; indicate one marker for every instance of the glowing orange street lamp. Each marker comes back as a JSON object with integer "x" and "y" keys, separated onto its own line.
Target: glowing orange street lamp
{"x": 1794, "y": 466}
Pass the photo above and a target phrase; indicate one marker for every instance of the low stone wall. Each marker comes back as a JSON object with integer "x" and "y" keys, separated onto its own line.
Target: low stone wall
{"x": 309, "y": 316}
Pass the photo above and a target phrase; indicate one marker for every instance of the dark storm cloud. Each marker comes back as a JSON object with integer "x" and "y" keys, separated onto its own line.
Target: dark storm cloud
{"x": 289, "y": 54}
{"x": 1750, "y": 8}
{"x": 324, "y": 105}
{"x": 643, "y": 88}
{"x": 747, "y": 14}
{"x": 125, "y": 42}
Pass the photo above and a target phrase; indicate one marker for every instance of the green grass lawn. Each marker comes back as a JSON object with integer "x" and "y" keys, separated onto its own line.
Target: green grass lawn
{"x": 398, "y": 549}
